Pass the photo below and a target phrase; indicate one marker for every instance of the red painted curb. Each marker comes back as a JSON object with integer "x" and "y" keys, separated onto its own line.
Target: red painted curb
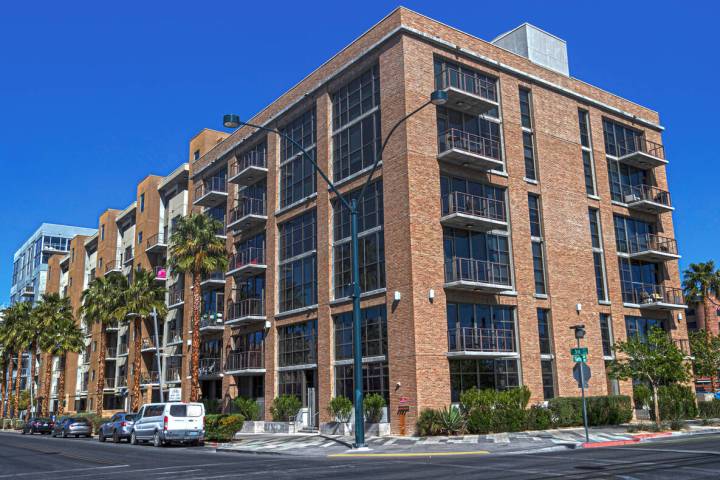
{"x": 652, "y": 435}
{"x": 609, "y": 443}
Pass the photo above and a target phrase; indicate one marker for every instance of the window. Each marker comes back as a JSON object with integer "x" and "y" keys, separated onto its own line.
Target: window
{"x": 449, "y": 74}
{"x": 606, "y": 335}
{"x": 620, "y": 139}
{"x": 480, "y": 327}
{"x": 459, "y": 194}
{"x": 525, "y": 118}
{"x": 537, "y": 244}
{"x": 640, "y": 327}
{"x": 488, "y": 253}
{"x": 142, "y": 202}
{"x": 544, "y": 331}
{"x": 297, "y": 173}
{"x": 374, "y": 333}
{"x": 547, "y": 371}
{"x": 356, "y": 124}
{"x": 639, "y": 280}
{"x": 139, "y": 235}
{"x": 371, "y": 243}
{"x": 102, "y": 232}
{"x": 528, "y": 136}
{"x": 631, "y": 234}
{"x": 587, "y": 154}
{"x": 297, "y": 263}
{"x": 196, "y": 154}
{"x": 375, "y": 380}
{"x": 297, "y": 344}
{"x": 491, "y": 374}
{"x": 598, "y": 254}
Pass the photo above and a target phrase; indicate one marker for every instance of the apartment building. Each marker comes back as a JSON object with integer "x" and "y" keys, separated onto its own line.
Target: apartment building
{"x": 529, "y": 202}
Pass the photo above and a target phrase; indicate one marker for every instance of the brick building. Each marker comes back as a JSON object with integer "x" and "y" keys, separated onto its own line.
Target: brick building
{"x": 531, "y": 201}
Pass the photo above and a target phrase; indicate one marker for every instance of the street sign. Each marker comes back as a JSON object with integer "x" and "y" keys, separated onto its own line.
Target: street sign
{"x": 579, "y": 358}
{"x": 586, "y": 374}
{"x": 174, "y": 394}
{"x": 579, "y": 351}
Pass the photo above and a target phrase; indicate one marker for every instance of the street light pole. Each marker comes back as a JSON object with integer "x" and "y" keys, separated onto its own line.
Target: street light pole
{"x": 437, "y": 97}
{"x": 157, "y": 355}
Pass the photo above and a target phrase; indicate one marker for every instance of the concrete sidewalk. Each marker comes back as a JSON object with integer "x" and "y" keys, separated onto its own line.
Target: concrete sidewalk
{"x": 507, "y": 443}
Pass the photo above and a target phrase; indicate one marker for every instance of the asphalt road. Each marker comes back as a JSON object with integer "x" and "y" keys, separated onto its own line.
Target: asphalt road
{"x": 44, "y": 458}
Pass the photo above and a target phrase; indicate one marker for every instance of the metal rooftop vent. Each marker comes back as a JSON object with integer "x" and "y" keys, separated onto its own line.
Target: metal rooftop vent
{"x": 536, "y": 45}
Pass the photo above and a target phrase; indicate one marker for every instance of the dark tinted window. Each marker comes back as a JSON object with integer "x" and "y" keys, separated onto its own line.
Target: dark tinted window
{"x": 178, "y": 410}
{"x": 130, "y": 417}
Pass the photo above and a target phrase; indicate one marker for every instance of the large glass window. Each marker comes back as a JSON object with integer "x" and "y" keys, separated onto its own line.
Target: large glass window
{"x": 479, "y": 135}
{"x": 297, "y": 263}
{"x": 492, "y": 374}
{"x": 356, "y": 124}
{"x": 537, "y": 243}
{"x": 371, "y": 243}
{"x": 620, "y": 139}
{"x": 490, "y": 199}
{"x": 487, "y": 252}
{"x": 547, "y": 370}
{"x": 640, "y": 327}
{"x": 631, "y": 232}
{"x": 528, "y": 136}
{"x": 297, "y": 174}
{"x": 587, "y": 153}
{"x": 374, "y": 333}
{"x": 606, "y": 334}
{"x": 638, "y": 279}
{"x": 623, "y": 178}
{"x": 598, "y": 254}
{"x": 544, "y": 334}
{"x": 449, "y": 74}
{"x": 375, "y": 380}
{"x": 297, "y": 344}
{"x": 480, "y": 327}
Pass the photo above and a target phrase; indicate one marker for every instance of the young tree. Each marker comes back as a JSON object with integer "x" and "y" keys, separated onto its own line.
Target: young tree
{"x": 41, "y": 317}
{"x": 705, "y": 348}
{"x": 196, "y": 249}
{"x": 702, "y": 281}
{"x": 17, "y": 317}
{"x": 656, "y": 360}
{"x": 139, "y": 299}
{"x": 6, "y": 361}
{"x": 101, "y": 300}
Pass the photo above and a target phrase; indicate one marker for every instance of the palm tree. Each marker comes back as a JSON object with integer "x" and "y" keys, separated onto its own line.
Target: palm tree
{"x": 196, "y": 249}
{"x": 63, "y": 336}
{"x": 40, "y": 319}
{"x": 139, "y": 299}
{"x": 702, "y": 280}
{"x": 6, "y": 361}
{"x": 17, "y": 316}
{"x": 100, "y": 301}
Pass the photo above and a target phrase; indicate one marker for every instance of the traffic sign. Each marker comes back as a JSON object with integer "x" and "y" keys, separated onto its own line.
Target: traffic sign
{"x": 174, "y": 395}
{"x": 579, "y": 358}
{"x": 586, "y": 374}
{"x": 579, "y": 351}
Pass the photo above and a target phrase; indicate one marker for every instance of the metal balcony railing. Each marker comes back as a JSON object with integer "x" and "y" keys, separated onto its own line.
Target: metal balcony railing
{"x": 251, "y": 360}
{"x": 649, "y": 241}
{"x": 172, "y": 374}
{"x": 476, "y": 206}
{"x": 459, "y": 269}
{"x": 248, "y": 307}
{"x": 121, "y": 382}
{"x": 156, "y": 240}
{"x": 176, "y": 296}
{"x": 174, "y": 336}
{"x": 647, "y": 193}
{"x": 122, "y": 349}
{"x": 209, "y": 366}
{"x": 246, "y": 256}
{"x": 488, "y": 340}
{"x": 639, "y": 143}
{"x": 215, "y": 276}
{"x": 211, "y": 320}
{"x": 110, "y": 352}
{"x": 150, "y": 377}
{"x": 645, "y": 293}
{"x": 109, "y": 383}
{"x": 113, "y": 266}
{"x": 128, "y": 256}
{"x": 469, "y": 142}
{"x": 252, "y": 158}
{"x": 148, "y": 343}
{"x": 468, "y": 82}
{"x": 212, "y": 184}
{"x": 247, "y": 206}
{"x": 111, "y": 327}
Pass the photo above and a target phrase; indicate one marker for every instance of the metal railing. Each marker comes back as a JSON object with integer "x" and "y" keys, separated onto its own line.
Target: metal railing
{"x": 467, "y": 82}
{"x": 247, "y": 206}
{"x": 112, "y": 266}
{"x": 469, "y": 142}
{"x": 174, "y": 336}
{"x": 176, "y": 296}
{"x": 636, "y": 193}
{"x": 252, "y": 158}
{"x": 484, "y": 207}
{"x": 237, "y": 361}
{"x": 245, "y": 308}
{"x": 112, "y": 326}
{"x": 639, "y": 143}
{"x": 213, "y": 184}
{"x": 209, "y": 366}
{"x": 478, "y": 271}
{"x": 121, "y": 382}
{"x": 645, "y": 293}
{"x": 172, "y": 374}
{"x": 110, "y": 352}
{"x": 472, "y": 339}
{"x": 156, "y": 239}
{"x": 246, "y": 256}
{"x": 128, "y": 256}
{"x": 211, "y": 320}
{"x": 149, "y": 377}
{"x": 650, "y": 241}
{"x": 212, "y": 276}
{"x": 122, "y": 349}
{"x": 148, "y": 343}
{"x": 109, "y": 383}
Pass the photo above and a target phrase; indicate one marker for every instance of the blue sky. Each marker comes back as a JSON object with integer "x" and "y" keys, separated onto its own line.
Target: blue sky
{"x": 96, "y": 95}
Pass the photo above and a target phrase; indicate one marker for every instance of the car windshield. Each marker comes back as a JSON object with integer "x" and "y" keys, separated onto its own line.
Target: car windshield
{"x": 185, "y": 410}
{"x": 78, "y": 420}
{"x": 130, "y": 417}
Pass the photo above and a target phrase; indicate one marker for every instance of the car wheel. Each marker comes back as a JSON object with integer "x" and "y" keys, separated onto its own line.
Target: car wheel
{"x": 157, "y": 441}
{"x": 23, "y": 431}
{"x": 133, "y": 439}
{"x": 116, "y": 437}
{"x": 101, "y": 437}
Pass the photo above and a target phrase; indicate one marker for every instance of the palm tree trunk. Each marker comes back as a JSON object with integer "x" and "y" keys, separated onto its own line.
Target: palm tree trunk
{"x": 3, "y": 391}
{"x": 16, "y": 406}
{"x": 8, "y": 386}
{"x": 137, "y": 332}
{"x": 47, "y": 385}
{"x": 33, "y": 354}
{"x": 61, "y": 386}
{"x": 101, "y": 373}
{"x": 195, "y": 344}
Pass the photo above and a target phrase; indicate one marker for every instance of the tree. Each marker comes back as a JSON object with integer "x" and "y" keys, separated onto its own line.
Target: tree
{"x": 655, "y": 359}
{"x": 41, "y": 316}
{"x": 139, "y": 299}
{"x": 702, "y": 281}
{"x": 63, "y": 336}
{"x": 196, "y": 249}
{"x": 705, "y": 348}
{"x": 101, "y": 300}
{"x": 17, "y": 317}
{"x": 6, "y": 360}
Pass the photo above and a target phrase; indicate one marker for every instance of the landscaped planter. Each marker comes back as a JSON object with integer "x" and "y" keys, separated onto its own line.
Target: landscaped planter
{"x": 257, "y": 426}
{"x": 377, "y": 429}
{"x": 280, "y": 427}
{"x": 336, "y": 428}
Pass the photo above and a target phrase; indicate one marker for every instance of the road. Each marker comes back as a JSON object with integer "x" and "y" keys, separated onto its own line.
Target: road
{"x": 44, "y": 458}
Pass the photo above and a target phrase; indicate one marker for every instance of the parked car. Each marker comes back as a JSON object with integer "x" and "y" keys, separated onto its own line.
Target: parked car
{"x": 117, "y": 428}
{"x": 38, "y": 425}
{"x": 72, "y": 427}
{"x": 164, "y": 423}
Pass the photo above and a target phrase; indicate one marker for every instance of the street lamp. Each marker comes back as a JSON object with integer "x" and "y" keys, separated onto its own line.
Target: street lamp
{"x": 579, "y": 335}
{"x": 438, "y": 97}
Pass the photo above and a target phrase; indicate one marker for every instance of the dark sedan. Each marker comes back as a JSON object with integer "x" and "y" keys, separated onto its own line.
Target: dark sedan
{"x": 72, "y": 427}
{"x": 42, "y": 426}
{"x": 119, "y": 427}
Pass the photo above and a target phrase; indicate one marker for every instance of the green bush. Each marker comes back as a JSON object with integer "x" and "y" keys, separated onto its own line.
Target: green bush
{"x": 212, "y": 406}
{"x": 539, "y": 418}
{"x": 373, "y": 405}
{"x": 677, "y": 402}
{"x": 247, "y": 407}
{"x": 340, "y": 408}
{"x": 642, "y": 396}
{"x": 222, "y": 427}
{"x": 451, "y": 420}
{"x": 601, "y": 410}
{"x": 495, "y": 411}
{"x": 428, "y": 423}
{"x": 709, "y": 409}
{"x": 285, "y": 407}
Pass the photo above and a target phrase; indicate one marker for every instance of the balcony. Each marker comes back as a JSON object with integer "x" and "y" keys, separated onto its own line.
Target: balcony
{"x": 245, "y": 363}
{"x": 209, "y": 367}
{"x": 28, "y": 291}
{"x": 248, "y": 215}
{"x": 121, "y": 382}
{"x": 245, "y": 311}
{"x": 654, "y": 297}
{"x": 115, "y": 266}
{"x": 481, "y": 342}
{"x": 112, "y": 327}
{"x": 247, "y": 262}
{"x": 466, "y": 92}
{"x": 211, "y": 192}
{"x": 147, "y": 344}
{"x": 466, "y": 149}
{"x": 174, "y": 337}
{"x": 156, "y": 243}
{"x": 122, "y": 350}
{"x": 110, "y": 353}
{"x": 478, "y": 275}
{"x": 250, "y": 168}
{"x": 150, "y": 378}
{"x": 161, "y": 273}
{"x": 652, "y": 248}
{"x": 173, "y": 375}
{"x": 176, "y": 298}
{"x": 642, "y": 153}
{"x": 128, "y": 256}
{"x": 645, "y": 198}
{"x": 214, "y": 280}
{"x": 109, "y": 383}
{"x": 462, "y": 210}
{"x": 211, "y": 322}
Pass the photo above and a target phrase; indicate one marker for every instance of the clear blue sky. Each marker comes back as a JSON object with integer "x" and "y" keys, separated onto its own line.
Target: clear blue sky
{"x": 96, "y": 95}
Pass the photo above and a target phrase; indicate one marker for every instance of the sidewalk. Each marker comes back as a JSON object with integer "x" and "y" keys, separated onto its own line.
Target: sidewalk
{"x": 499, "y": 443}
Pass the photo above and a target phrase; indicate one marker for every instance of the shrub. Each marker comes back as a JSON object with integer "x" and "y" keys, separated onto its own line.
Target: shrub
{"x": 247, "y": 407}
{"x": 492, "y": 411}
{"x": 566, "y": 411}
{"x": 222, "y": 428}
{"x": 285, "y": 407}
{"x": 428, "y": 423}
{"x": 642, "y": 396}
{"x": 451, "y": 420}
{"x": 709, "y": 409}
{"x": 601, "y": 410}
{"x": 539, "y": 418}
{"x": 677, "y": 402}
{"x": 340, "y": 408}
{"x": 373, "y": 405}
{"x": 212, "y": 406}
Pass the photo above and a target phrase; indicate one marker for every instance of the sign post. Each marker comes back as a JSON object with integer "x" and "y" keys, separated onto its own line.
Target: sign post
{"x": 581, "y": 372}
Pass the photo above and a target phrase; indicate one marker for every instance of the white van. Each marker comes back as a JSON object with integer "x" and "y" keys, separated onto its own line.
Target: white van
{"x": 164, "y": 423}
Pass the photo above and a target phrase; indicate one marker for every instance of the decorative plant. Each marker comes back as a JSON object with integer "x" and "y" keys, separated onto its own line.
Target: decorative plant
{"x": 247, "y": 407}
{"x": 285, "y": 407}
{"x": 373, "y": 405}
{"x": 340, "y": 408}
